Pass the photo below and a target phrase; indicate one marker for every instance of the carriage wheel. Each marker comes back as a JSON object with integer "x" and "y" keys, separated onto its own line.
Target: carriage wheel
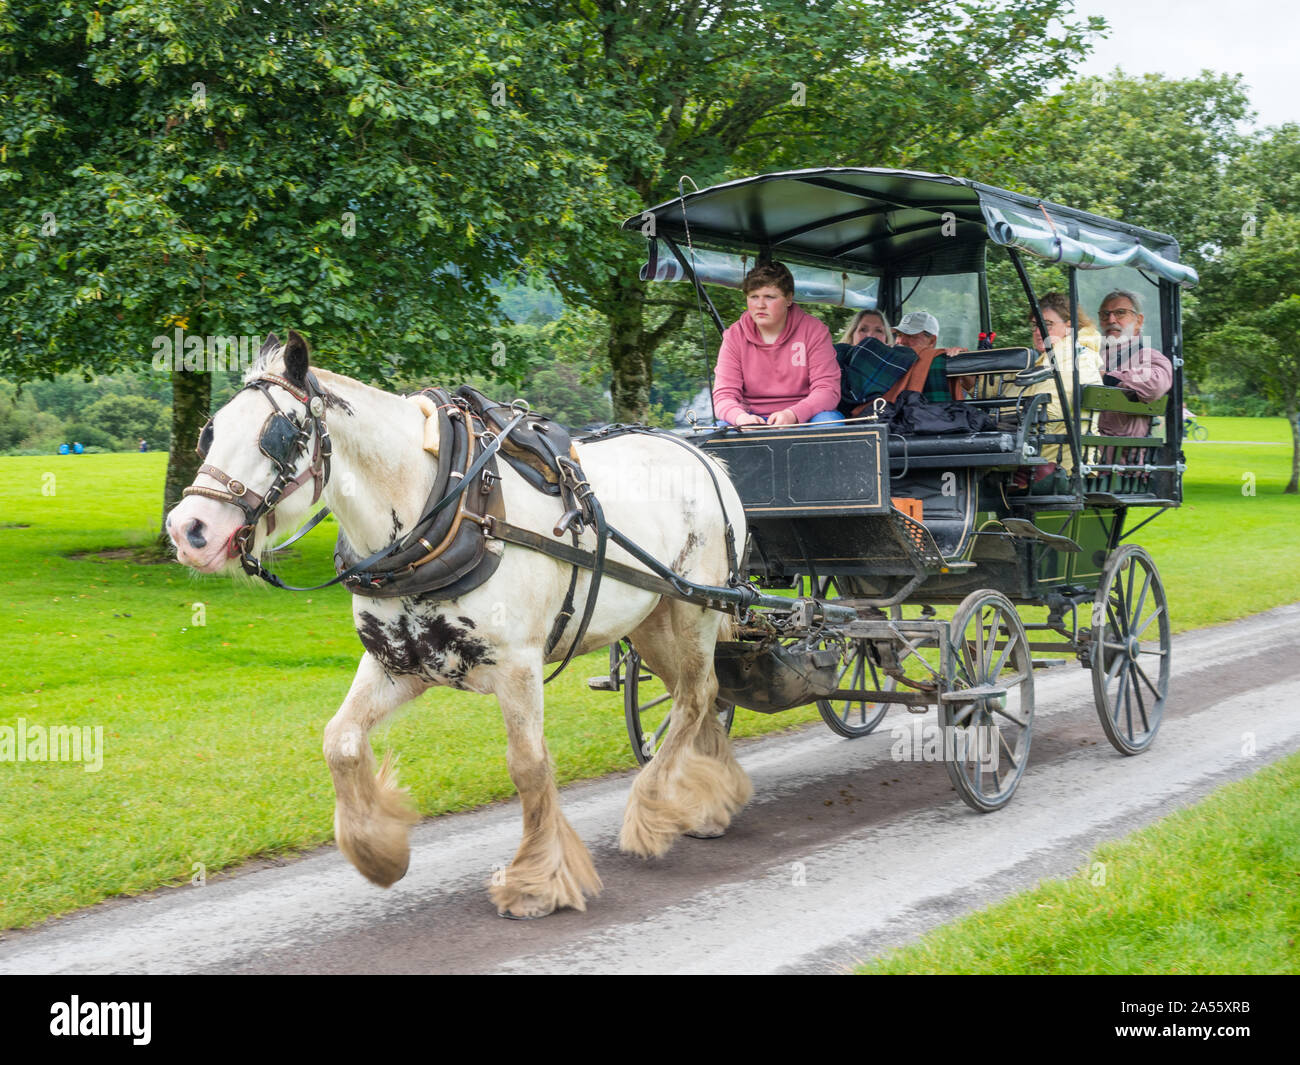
{"x": 648, "y": 712}
{"x": 987, "y": 707}
{"x": 854, "y": 719}
{"x": 1130, "y": 656}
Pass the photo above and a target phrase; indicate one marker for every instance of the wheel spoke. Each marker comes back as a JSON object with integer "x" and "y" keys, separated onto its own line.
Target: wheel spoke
{"x": 1137, "y": 693}
{"x": 1147, "y": 624}
{"x": 656, "y": 701}
{"x": 1142, "y": 599}
{"x": 1114, "y": 668}
{"x": 663, "y": 727}
{"x": 1132, "y": 572}
{"x": 1128, "y": 704}
{"x": 1002, "y": 659}
{"x": 1019, "y": 719}
{"x": 1119, "y": 692}
{"x": 1143, "y": 674}
{"x": 1011, "y": 755}
{"x": 986, "y": 652}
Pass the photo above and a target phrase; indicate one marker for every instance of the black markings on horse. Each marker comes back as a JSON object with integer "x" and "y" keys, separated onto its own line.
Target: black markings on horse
{"x": 424, "y": 646}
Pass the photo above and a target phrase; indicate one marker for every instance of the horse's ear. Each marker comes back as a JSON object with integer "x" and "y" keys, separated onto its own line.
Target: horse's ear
{"x": 268, "y": 346}
{"x": 296, "y": 357}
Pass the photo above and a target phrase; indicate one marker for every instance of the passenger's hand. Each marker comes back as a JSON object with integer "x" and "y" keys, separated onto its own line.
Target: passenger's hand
{"x": 749, "y": 419}
{"x": 782, "y": 417}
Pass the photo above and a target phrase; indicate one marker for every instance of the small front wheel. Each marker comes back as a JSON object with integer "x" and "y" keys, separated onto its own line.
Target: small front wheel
{"x": 986, "y": 709}
{"x": 648, "y": 706}
{"x": 858, "y": 673}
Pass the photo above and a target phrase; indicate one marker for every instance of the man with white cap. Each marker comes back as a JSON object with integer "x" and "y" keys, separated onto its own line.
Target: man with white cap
{"x": 919, "y": 330}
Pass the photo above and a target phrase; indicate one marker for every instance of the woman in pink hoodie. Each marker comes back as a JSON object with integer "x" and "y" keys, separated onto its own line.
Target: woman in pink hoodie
{"x": 777, "y": 363}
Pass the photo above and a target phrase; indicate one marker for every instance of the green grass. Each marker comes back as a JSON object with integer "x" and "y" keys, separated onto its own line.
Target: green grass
{"x": 212, "y": 730}
{"x": 1214, "y": 888}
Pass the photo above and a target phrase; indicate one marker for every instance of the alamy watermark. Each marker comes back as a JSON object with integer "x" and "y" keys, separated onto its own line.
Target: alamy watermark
{"x": 916, "y": 741}
{"x": 56, "y": 743}
{"x": 193, "y": 353}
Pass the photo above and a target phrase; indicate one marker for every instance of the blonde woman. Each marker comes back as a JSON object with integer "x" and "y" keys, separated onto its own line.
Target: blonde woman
{"x": 867, "y": 324}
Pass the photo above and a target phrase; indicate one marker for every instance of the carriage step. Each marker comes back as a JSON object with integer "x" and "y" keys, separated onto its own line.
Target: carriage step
{"x": 966, "y": 695}
{"x": 1048, "y": 663}
{"x": 602, "y": 684}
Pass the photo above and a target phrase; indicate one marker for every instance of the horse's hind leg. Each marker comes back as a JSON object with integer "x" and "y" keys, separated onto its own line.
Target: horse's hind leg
{"x": 694, "y": 783}
{"x": 372, "y": 816}
{"x": 552, "y": 867}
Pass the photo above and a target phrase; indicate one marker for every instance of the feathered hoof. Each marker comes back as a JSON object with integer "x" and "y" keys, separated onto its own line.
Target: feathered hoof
{"x": 646, "y": 832}
{"x": 709, "y": 830}
{"x": 374, "y": 837}
{"x": 524, "y": 907}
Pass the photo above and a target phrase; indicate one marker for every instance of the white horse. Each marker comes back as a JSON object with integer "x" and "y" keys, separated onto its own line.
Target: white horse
{"x": 492, "y": 638}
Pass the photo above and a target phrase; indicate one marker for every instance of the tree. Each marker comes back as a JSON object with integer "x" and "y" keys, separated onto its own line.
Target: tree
{"x": 128, "y": 418}
{"x": 359, "y": 171}
{"x": 1148, "y": 150}
{"x": 1251, "y": 316}
{"x": 727, "y": 89}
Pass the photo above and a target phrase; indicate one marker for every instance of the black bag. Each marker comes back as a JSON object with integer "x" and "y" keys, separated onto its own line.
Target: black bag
{"x": 914, "y": 415}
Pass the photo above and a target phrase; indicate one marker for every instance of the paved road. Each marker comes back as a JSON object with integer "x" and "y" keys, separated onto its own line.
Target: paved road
{"x": 842, "y": 853}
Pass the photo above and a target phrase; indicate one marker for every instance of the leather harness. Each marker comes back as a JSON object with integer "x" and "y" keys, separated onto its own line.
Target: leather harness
{"x": 445, "y": 554}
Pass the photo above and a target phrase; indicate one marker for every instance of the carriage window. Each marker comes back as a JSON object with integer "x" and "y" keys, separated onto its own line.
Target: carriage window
{"x": 1095, "y": 285}
{"x": 954, "y": 299}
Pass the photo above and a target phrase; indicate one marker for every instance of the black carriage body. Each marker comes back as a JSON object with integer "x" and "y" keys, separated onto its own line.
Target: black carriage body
{"x": 822, "y": 502}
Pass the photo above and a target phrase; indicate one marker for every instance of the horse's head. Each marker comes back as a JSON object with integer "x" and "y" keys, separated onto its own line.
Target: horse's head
{"x": 269, "y": 440}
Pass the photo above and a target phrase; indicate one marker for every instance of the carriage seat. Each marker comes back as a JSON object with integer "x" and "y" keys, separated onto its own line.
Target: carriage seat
{"x": 991, "y": 361}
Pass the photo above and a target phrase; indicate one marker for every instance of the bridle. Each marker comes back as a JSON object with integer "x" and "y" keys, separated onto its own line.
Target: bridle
{"x": 283, "y": 440}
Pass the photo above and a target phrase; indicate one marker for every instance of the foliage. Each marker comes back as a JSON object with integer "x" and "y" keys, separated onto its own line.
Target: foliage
{"x": 1250, "y": 316}
{"x": 204, "y": 163}
{"x": 1152, "y": 151}
{"x": 129, "y": 418}
{"x": 727, "y": 89}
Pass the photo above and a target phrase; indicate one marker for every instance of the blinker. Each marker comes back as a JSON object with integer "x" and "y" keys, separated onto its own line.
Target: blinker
{"x": 281, "y": 439}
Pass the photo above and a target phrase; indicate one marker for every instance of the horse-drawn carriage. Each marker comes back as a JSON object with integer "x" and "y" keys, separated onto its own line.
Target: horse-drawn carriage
{"x": 894, "y": 524}
{"x": 474, "y": 573}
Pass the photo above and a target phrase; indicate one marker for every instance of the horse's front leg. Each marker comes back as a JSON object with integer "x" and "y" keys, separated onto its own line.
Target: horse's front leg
{"x": 552, "y": 867}
{"x": 372, "y": 816}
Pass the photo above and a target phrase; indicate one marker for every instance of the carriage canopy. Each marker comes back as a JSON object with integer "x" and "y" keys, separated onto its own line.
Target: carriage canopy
{"x": 869, "y": 221}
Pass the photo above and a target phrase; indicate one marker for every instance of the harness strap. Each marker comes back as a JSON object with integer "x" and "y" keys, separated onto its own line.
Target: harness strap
{"x": 255, "y": 568}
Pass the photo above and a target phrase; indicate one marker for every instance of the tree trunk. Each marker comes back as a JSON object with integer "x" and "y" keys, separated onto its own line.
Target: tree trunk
{"x": 191, "y": 399}
{"x": 1293, "y": 419}
{"x": 629, "y": 358}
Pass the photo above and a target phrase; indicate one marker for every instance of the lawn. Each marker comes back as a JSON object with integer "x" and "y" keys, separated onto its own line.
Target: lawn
{"x": 212, "y": 695}
{"x": 1193, "y": 893}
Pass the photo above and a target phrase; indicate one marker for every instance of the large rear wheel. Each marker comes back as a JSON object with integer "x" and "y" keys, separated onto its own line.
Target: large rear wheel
{"x": 1130, "y": 649}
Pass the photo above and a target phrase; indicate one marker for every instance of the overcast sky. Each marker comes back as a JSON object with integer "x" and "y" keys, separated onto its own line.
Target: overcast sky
{"x": 1179, "y": 38}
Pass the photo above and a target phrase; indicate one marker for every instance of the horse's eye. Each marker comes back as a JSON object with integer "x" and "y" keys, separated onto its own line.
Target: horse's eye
{"x": 205, "y": 440}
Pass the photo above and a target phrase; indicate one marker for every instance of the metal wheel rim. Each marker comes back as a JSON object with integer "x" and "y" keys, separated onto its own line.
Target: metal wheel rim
{"x": 986, "y": 767}
{"x": 854, "y": 719}
{"x": 1130, "y": 650}
{"x": 648, "y": 721}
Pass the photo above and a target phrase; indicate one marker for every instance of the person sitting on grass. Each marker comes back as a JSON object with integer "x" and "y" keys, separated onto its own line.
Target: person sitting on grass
{"x": 776, "y": 365}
